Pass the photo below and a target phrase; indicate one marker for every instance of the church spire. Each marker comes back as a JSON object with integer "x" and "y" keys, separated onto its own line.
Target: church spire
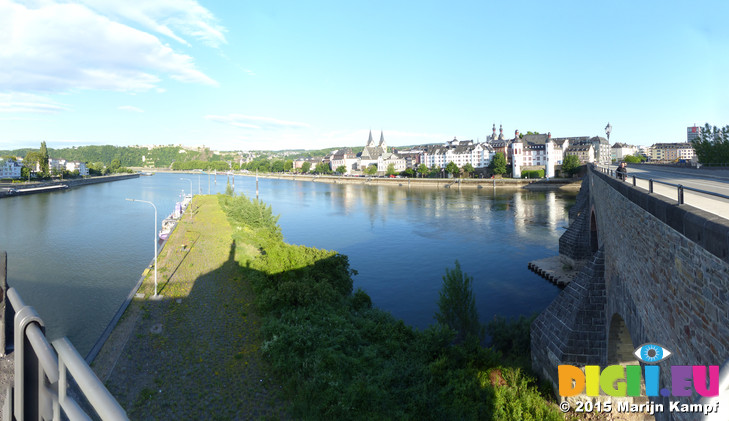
{"x": 370, "y": 142}
{"x": 382, "y": 141}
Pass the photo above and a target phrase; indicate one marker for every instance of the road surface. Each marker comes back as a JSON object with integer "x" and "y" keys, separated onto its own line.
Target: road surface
{"x": 716, "y": 181}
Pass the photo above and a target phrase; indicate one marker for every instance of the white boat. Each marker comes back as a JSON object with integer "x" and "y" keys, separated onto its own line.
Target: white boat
{"x": 168, "y": 224}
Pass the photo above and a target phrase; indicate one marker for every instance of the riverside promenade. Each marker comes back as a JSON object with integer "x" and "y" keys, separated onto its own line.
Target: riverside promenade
{"x": 194, "y": 352}
{"x": 46, "y": 186}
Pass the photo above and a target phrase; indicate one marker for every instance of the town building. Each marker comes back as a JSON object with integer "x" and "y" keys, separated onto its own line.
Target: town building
{"x": 669, "y": 152}
{"x": 692, "y": 133}
{"x": 343, "y": 157}
{"x": 602, "y": 152}
{"x": 10, "y": 168}
{"x": 585, "y": 152}
{"x": 620, "y": 150}
{"x": 461, "y": 152}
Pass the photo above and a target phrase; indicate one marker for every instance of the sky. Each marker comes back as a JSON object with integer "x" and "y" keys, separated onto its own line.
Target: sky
{"x": 251, "y": 75}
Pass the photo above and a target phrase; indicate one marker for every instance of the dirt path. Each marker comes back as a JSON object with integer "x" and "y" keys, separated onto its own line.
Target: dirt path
{"x": 195, "y": 353}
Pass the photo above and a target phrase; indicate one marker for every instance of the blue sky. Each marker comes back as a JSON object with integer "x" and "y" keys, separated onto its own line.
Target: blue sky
{"x": 274, "y": 75}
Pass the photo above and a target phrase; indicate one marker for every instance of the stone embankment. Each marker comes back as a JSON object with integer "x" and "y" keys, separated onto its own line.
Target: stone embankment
{"x": 74, "y": 182}
{"x": 456, "y": 183}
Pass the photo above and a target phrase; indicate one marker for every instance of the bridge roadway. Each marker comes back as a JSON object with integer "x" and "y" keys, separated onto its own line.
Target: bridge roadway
{"x": 716, "y": 181}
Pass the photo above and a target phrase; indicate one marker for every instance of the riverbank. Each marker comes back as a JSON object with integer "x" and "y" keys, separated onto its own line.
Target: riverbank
{"x": 46, "y": 186}
{"x": 193, "y": 353}
{"x": 453, "y": 183}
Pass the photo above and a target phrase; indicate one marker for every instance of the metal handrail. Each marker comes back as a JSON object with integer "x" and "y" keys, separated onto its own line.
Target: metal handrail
{"x": 41, "y": 382}
{"x": 679, "y": 187}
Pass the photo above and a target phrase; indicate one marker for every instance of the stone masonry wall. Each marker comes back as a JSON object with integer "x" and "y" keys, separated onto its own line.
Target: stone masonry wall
{"x": 666, "y": 274}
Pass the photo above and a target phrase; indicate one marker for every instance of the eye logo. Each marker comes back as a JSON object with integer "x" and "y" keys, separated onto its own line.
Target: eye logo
{"x": 652, "y": 353}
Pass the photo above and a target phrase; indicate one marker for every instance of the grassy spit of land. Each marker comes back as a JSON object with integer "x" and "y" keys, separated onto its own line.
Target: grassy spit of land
{"x": 250, "y": 323}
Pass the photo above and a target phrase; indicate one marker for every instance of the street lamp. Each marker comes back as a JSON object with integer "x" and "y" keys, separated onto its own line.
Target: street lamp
{"x": 608, "y": 129}
{"x": 155, "y": 241}
{"x": 187, "y": 179}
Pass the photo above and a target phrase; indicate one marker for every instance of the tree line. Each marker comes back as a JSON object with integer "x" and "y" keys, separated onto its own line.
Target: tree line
{"x": 712, "y": 145}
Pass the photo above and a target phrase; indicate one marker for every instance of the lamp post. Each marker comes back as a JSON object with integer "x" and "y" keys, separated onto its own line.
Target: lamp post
{"x": 155, "y": 241}
{"x": 608, "y": 129}
{"x": 187, "y": 179}
{"x": 183, "y": 198}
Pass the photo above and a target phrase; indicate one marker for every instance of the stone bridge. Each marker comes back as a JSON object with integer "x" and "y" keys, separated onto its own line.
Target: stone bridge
{"x": 652, "y": 272}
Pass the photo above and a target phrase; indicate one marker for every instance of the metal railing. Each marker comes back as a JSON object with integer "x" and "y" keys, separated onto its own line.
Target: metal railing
{"x": 679, "y": 188}
{"x": 41, "y": 381}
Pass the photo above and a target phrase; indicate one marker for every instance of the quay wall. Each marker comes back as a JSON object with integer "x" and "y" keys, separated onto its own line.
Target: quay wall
{"x": 71, "y": 183}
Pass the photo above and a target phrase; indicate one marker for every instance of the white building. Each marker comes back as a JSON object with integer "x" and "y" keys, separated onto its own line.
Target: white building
{"x": 10, "y": 168}
{"x": 621, "y": 150}
{"x": 343, "y": 157}
{"x": 58, "y": 165}
{"x": 462, "y": 152}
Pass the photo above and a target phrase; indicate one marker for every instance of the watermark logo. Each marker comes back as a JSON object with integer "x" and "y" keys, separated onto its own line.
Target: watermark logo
{"x": 621, "y": 381}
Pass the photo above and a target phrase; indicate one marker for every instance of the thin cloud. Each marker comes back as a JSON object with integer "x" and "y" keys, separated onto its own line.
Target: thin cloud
{"x": 166, "y": 17}
{"x": 63, "y": 47}
{"x": 253, "y": 122}
{"x": 29, "y": 103}
{"x": 130, "y": 108}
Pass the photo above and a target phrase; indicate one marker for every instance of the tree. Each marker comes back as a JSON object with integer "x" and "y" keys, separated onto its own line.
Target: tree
{"x": 322, "y": 168}
{"x": 634, "y": 159}
{"x": 305, "y": 167}
{"x": 712, "y": 145}
{"x": 390, "y": 169}
{"x": 452, "y": 168}
{"x": 422, "y": 170}
{"x": 43, "y": 158}
{"x": 468, "y": 169}
{"x": 341, "y": 169}
{"x": 457, "y": 305}
{"x": 570, "y": 164}
{"x": 409, "y": 172}
{"x": 277, "y": 166}
{"x": 434, "y": 171}
{"x": 498, "y": 164}
{"x": 115, "y": 165}
{"x": 288, "y": 165}
{"x": 371, "y": 170}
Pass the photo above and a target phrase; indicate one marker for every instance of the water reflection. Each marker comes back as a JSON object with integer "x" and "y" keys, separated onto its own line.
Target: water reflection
{"x": 75, "y": 255}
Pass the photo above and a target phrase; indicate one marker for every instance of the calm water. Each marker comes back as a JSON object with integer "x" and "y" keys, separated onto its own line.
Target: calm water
{"x": 75, "y": 255}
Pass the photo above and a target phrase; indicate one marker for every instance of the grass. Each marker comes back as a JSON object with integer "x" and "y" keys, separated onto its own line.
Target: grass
{"x": 205, "y": 363}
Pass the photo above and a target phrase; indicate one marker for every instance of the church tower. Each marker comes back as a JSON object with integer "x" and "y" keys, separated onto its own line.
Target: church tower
{"x": 382, "y": 144}
{"x": 370, "y": 142}
{"x": 517, "y": 155}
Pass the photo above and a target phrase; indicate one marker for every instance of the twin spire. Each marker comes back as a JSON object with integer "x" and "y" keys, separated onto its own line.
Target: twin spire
{"x": 371, "y": 142}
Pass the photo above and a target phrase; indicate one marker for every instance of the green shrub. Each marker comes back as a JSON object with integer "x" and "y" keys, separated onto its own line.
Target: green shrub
{"x": 532, "y": 174}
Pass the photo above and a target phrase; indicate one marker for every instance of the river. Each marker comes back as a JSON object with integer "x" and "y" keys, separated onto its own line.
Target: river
{"x": 75, "y": 255}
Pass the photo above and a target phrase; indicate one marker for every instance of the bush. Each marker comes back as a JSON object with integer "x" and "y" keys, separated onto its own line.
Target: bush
{"x": 511, "y": 337}
{"x": 532, "y": 174}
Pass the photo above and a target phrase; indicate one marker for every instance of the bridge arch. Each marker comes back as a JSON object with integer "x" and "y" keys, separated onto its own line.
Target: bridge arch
{"x": 620, "y": 346}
